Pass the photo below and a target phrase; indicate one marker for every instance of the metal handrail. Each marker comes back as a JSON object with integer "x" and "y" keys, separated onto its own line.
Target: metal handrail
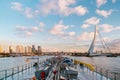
{"x": 12, "y": 71}
{"x": 108, "y": 73}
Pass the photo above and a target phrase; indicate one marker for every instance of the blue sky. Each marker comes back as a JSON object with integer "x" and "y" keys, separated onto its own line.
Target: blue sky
{"x": 59, "y": 25}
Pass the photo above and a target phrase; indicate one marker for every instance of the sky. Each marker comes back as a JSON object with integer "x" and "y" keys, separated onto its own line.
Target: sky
{"x": 59, "y": 25}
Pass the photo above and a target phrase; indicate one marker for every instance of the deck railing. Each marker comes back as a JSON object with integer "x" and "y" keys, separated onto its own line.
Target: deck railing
{"x": 4, "y": 74}
{"x": 108, "y": 73}
{"x": 104, "y": 73}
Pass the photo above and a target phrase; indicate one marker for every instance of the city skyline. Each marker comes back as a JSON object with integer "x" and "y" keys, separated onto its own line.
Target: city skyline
{"x": 59, "y": 25}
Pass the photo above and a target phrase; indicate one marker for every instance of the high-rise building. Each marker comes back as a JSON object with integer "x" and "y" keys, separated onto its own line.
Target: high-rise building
{"x": 21, "y": 49}
{"x": 33, "y": 49}
{"x": 10, "y": 49}
{"x": 29, "y": 49}
{"x": 25, "y": 50}
{"x": 18, "y": 49}
{"x": 1, "y": 49}
{"x": 39, "y": 50}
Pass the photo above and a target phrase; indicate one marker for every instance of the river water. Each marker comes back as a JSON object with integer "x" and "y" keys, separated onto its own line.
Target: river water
{"x": 10, "y": 62}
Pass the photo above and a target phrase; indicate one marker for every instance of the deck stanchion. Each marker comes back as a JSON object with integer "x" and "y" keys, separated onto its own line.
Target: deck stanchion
{"x": 96, "y": 72}
{"x": 22, "y": 68}
{"x": 93, "y": 74}
{"x": 5, "y": 74}
{"x": 101, "y": 73}
{"x": 22, "y": 71}
{"x": 107, "y": 74}
{"x": 115, "y": 76}
{"x": 12, "y": 73}
{"x": 18, "y": 69}
{"x": 18, "y": 72}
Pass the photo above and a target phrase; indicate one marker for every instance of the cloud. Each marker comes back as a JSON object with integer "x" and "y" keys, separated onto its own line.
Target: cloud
{"x": 115, "y": 45}
{"x": 85, "y": 36}
{"x": 80, "y": 10}
{"x": 34, "y": 29}
{"x": 28, "y": 33}
{"x": 20, "y": 28}
{"x": 71, "y": 33}
{"x": 104, "y": 13}
{"x": 66, "y": 10}
{"x": 28, "y": 12}
{"x": 63, "y": 7}
{"x": 90, "y": 21}
{"x": 100, "y": 2}
{"x": 108, "y": 28}
{"x": 58, "y": 29}
{"x": 24, "y": 31}
{"x": 41, "y": 24}
{"x": 61, "y": 30}
{"x": 16, "y": 6}
{"x": 103, "y": 2}
{"x": 113, "y": 1}
{"x": 85, "y": 26}
{"x": 46, "y": 7}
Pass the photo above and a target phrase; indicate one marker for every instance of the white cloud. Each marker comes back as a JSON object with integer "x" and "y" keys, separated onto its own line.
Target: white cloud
{"x": 85, "y": 36}
{"x": 115, "y": 45}
{"x": 28, "y": 12}
{"x": 24, "y": 10}
{"x": 113, "y": 1}
{"x": 21, "y": 28}
{"x": 104, "y": 13}
{"x": 34, "y": 29}
{"x": 66, "y": 10}
{"x": 28, "y": 33}
{"x": 16, "y": 6}
{"x": 59, "y": 29}
{"x": 41, "y": 29}
{"x": 63, "y": 6}
{"x": 85, "y": 26}
{"x": 23, "y": 31}
{"x": 90, "y": 21}
{"x": 48, "y": 6}
{"x": 71, "y": 33}
{"x": 101, "y": 2}
{"x": 80, "y": 10}
{"x": 108, "y": 28}
{"x": 41, "y": 24}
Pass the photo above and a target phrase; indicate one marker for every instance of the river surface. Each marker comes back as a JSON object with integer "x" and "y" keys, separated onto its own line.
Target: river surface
{"x": 10, "y": 62}
{"x": 110, "y": 63}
